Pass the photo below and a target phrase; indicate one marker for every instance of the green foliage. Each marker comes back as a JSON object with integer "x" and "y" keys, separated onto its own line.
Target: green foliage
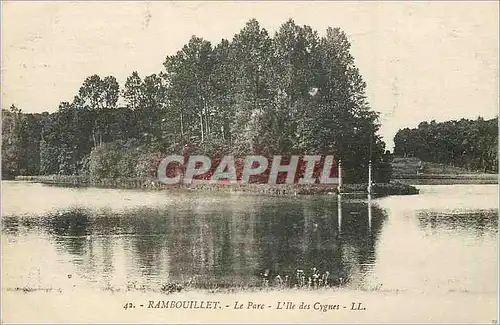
{"x": 146, "y": 164}
{"x": 21, "y": 134}
{"x": 120, "y": 159}
{"x": 103, "y": 161}
{"x": 289, "y": 93}
{"x": 472, "y": 144}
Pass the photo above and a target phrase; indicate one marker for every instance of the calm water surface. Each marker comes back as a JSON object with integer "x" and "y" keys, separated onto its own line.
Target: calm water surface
{"x": 444, "y": 239}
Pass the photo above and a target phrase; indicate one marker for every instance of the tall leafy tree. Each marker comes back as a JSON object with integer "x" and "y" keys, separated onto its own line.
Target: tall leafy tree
{"x": 250, "y": 57}
{"x": 132, "y": 92}
{"x": 188, "y": 74}
{"x": 99, "y": 96}
{"x": 223, "y": 80}
{"x": 349, "y": 127}
{"x": 295, "y": 64}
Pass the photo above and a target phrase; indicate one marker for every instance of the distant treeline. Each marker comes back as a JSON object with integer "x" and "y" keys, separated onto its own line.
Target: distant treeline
{"x": 291, "y": 93}
{"x": 471, "y": 144}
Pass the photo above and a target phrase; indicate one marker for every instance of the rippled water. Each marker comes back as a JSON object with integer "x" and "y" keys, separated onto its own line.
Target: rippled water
{"x": 444, "y": 239}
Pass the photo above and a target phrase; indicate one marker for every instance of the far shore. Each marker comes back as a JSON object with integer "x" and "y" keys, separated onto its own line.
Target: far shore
{"x": 447, "y": 179}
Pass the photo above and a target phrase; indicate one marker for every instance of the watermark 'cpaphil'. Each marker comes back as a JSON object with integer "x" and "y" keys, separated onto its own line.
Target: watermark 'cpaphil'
{"x": 276, "y": 169}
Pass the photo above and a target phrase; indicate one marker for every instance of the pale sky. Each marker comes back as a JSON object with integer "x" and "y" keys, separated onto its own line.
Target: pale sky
{"x": 421, "y": 61}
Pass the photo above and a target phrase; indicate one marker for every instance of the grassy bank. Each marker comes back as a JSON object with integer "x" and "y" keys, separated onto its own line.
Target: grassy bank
{"x": 71, "y": 180}
{"x": 259, "y": 189}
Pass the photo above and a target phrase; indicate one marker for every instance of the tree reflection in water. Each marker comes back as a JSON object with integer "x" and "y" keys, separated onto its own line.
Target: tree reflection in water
{"x": 477, "y": 222}
{"x": 272, "y": 242}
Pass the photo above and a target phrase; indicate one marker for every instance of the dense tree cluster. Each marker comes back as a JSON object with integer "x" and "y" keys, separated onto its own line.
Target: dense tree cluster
{"x": 472, "y": 144}
{"x": 293, "y": 93}
{"x": 21, "y": 142}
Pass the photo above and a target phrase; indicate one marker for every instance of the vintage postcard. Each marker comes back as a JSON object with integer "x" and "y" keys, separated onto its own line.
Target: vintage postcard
{"x": 249, "y": 162}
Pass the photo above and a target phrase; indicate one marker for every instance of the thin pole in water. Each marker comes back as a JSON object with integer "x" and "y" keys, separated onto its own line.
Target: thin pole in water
{"x": 369, "y": 195}
{"x": 339, "y": 212}
{"x": 339, "y": 186}
{"x": 339, "y": 197}
{"x": 370, "y": 177}
{"x": 369, "y": 213}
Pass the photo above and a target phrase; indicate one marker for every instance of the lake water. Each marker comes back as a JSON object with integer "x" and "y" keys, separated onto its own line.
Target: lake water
{"x": 442, "y": 240}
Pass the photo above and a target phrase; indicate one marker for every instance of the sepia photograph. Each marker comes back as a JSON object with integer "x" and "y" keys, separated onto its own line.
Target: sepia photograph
{"x": 249, "y": 162}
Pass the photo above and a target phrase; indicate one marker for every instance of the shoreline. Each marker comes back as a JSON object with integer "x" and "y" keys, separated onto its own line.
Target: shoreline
{"x": 356, "y": 190}
{"x": 446, "y": 179}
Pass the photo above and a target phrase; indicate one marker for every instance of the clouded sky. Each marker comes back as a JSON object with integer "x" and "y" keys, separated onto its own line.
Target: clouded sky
{"x": 421, "y": 61}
